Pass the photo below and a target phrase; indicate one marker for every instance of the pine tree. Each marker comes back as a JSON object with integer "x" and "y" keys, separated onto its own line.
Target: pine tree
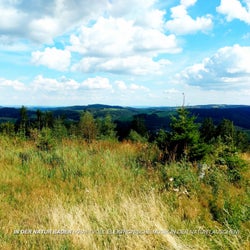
{"x": 184, "y": 135}
{"x": 208, "y": 130}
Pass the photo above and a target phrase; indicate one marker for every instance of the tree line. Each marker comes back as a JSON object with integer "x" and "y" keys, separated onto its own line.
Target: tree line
{"x": 186, "y": 139}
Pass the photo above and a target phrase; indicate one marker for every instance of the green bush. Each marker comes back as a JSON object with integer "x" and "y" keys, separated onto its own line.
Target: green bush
{"x": 45, "y": 141}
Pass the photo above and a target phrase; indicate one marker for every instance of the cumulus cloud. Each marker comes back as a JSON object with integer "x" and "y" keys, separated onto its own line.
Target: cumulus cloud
{"x": 119, "y": 37}
{"x": 118, "y": 45}
{"x": 182, "y": 23}
{"x": 10, "y": 19}
{"x": 66, "y": 85}
{"x": 122, "y": 86}
{"x": 96, "y": 83}
{"x": 53, "y": 58}
{"x": 41, "y": 21}
{"x": 13, "y": 84}
{"x": 228, "y": 68}
{"x": 134, "y": 65}
{"x": 41, "y": 83}
{"x": 234, "y": 9}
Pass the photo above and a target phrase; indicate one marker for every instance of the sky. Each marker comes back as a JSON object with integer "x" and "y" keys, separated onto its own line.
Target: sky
{"x": 128, "y": 53}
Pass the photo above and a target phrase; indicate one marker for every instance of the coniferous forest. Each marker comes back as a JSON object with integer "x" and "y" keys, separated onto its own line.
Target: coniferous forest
{"x": 96, "y": 182}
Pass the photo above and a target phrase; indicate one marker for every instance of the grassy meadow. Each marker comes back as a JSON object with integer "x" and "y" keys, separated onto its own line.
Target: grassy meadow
{"x": 115, "y": 195}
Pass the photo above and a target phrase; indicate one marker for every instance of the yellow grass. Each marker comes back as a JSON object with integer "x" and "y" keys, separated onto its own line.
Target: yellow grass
{"x": 95, "y": 196}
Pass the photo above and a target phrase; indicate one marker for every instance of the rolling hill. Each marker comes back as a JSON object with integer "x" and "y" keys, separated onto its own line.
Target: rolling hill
{"x": 154, "y": 117}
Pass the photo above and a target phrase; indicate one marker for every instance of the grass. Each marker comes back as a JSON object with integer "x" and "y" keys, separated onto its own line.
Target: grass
{"x": 104, "y": 196}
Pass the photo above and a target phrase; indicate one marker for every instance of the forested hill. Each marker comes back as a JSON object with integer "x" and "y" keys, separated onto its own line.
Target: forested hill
{"x": 154, "y": 117}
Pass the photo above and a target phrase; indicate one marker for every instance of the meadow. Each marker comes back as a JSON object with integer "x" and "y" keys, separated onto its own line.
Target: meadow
{"x": 116, "y": 195}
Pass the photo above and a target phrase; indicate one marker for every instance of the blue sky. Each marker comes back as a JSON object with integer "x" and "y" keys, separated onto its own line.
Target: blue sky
{"x": 129, "y": 53}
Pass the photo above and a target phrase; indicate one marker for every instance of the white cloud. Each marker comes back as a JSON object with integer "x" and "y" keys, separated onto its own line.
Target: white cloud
{"x": 68, "y": 86}
{"x": 13, "y": 84}
{"x": 119, "y": 37}
{"x": 188, "y": 3}
{"x": 121, "y": 85}
{"x": 10, "y": 19}
{"x": 135, "y": 65}
{"x": 182, "y": 23}
{"x": 97, "y": 82}
{"x": 52, "y": 58}
{"x": 41, "y": 83}
{"x": 42, "y": 21}
{"x": 234, "y": 9}
{"x": 118, "y": 45}
{"x": 137, "y": 87}
{"x": 229, "y": 68}
{"x": 44, "y": 29}
{"x": 108, "y": 37}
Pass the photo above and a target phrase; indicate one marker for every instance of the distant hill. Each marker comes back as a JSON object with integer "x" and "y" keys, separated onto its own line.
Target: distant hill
{"x": 154, "y": 117}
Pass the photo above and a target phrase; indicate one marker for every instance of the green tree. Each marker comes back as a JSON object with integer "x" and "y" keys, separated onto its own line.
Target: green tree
{"x": 138, "y": 125}
{"x": 227, "y": 132}
{"x": 23, "y": 125}
{"x": 107, "y": 128}
{"x": 48, "y": 119}
{"x": 87, "y": 127}
{"x": 39, "y": 119}
{"x": 207, "y": 130}
{"x": 59, "y": 129}
{"x": 241, "y": 141}
{"x": 184, "y": 135}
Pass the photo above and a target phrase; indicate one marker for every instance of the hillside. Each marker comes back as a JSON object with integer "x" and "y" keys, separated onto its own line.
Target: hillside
{"x": 154, "y": 117}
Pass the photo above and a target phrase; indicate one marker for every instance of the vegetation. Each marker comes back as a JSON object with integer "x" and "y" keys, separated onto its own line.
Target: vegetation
{"x": 76, "y": 186}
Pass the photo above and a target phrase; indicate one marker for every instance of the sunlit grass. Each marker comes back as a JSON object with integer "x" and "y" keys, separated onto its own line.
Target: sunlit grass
{"x": 106, "y": 195}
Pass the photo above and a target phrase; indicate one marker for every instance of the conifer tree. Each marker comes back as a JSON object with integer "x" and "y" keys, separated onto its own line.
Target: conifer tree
{"x": 184, "y": 135}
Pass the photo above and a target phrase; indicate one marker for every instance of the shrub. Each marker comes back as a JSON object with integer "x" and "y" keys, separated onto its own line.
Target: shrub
{"x": 45, "y": 140}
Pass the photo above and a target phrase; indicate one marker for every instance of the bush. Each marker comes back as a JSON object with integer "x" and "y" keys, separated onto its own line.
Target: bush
{"x": 45, "y": 140}
{"x": 135, "y": 137}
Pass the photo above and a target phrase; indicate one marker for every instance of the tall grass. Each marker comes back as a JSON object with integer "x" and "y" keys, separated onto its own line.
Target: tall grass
{"x": 104, "y": 195}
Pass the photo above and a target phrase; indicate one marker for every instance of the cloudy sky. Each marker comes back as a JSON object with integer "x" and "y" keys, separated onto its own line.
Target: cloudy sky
{"x": 124, "y": 52}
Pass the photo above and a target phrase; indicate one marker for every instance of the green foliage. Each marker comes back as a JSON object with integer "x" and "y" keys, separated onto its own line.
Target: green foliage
{"x": 59, "y": 129}
{"x": 236, "y": 166}
{"x": 184, "y": 134}
{"x": 87, "y": 127}
{"x": 107, "y": 128}
{"x": 138, "y": 125}
{"x": 39, "y": 119}
{"x": 45, "y": 141}
{"x": 136, "y": 137}
{"x": 162, "y": 139}
{"x": 227, "y": 132}
{"x": 23, "y": 125}
{"x": 180, "y": 176}
{"x": 207, "y": 130}
{"x": 7, "y": 128}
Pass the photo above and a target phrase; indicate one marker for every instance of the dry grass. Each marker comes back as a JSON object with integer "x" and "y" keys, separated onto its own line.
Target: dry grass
{"x": 101, "y": 195}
